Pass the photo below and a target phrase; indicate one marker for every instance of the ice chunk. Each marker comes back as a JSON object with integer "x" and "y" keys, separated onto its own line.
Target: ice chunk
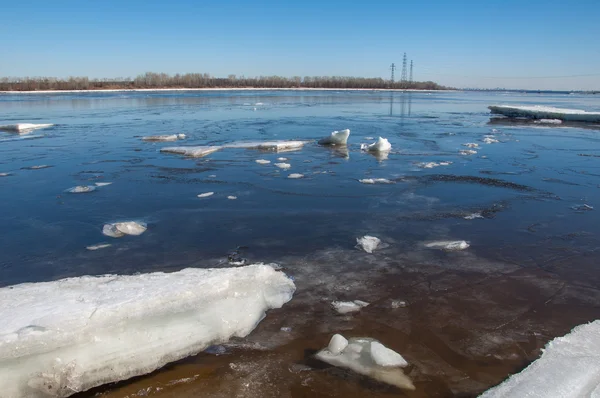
{"x": 336, "y": 138}
{"x": 490, "y": 139}
{"x": 206, "y": 194}
{"x": 368, "y": 243}
{"x": 119, "y": 229}
{"x": 449, "y": 245}
{"x": 4, "y": 174}
{"x": 163, "y": 138}
{"x": 344, "y": 307}
{"x": 375, "y": 181}
{"x": 467, "y": 152}
{"x": 471, "y": 145}
{"x": 23, "y": 128}
{"x": 263, "y": 161}
{"x": 383, "y": 356}
{"x": 296, "y": 175}
{"x": 275, "y": 146}
{"x": 546, "y": 112}
{"x": 37, "y": 167}
{"x": 81, "y": 189}
{"x": 102, "y": 184}
{"x": 98, "y": 246}
{"x": 232, "y": 197}
{"x": 337, "y": 344}
{"x": 569, "y": 367}
{"x": 283, "y": 166}
{"x": 192, "y": 151}
{"x": 431, "y": 165}
{"x": 358, "y": 357}
{"x": 473, "y": 216}
{"x": 382, "y": 145}
{"x": 282, "y": 159}
{"x": 67, "y": 336}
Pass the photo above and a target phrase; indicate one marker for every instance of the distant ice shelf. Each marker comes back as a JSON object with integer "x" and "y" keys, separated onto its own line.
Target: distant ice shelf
{"x": 546, "y": 112}
{"x": 67, "y": 336}
{"x": 569, "y": 367}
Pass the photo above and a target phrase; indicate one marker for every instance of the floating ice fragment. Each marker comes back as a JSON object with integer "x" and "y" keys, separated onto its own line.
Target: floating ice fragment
{"x": 490, "y": 140}
{"x": 119, "y": 229}
{"x": 546, "y": 112}
{"x": 282, "y": 159}
{"x": 382, "y": 145}
{"x": 471, "y": 145}
{"x": 336, "y": 138}
{"x": 23, "y": 128}
{"x": 275, "y": 146}
{"x": 98, "y": 246}
{"x": 383, "y": 356}
{"x": 583, "y": 207}
{"x": 86, "y": 331}
{"x": 473, "y": 216}
{"x": 4, "y": 174}
{"x": 569, "y": 367}
{"x": 345, "y": 307}
{"x": 295, "y": 175}
{"x": 181, "y": 136}
{"x": 375, "y": 181}
{"x": 337, "y": 344}
{"x": 467, "y": 152}
{"x": 163, "y": 138}
{"x": 548, "y": 121}
{"x": 358, "y": 357}
{"x": 368, "y": 243}
{"x": 286, "y": 329}
{"x": 192, "y": 151}
{"x": 449, "y": 245}
{"x": 38, "y": 167}
{"x": 262, "y": 161}
{"x": 81, "y": 189}
{"x": 231, "y": 197}
{"x": 399, "y": 304}
{"x": 431, "y": 165}
{"x": 283, "y": 166}
{"x": 206, "y": 194}
{"x": 212, "y": 176}
{"x": 369, "y": 138}
{"x": 102, "y": 184}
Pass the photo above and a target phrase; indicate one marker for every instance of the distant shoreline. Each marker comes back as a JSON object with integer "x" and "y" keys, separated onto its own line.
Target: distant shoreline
{"x": 110, "y": 90}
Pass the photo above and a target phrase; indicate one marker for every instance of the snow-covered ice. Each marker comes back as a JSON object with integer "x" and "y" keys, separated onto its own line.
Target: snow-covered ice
{"x": 262, "y": 161}
{"x": 81, "y": 189}
{"x": 192, "y": 151}
{"x": 336, "y": 138}
{"x": 568, "y": 368}
{"x": 119, "y": 229}
{"x": 375, "y": 181}
{"x": 283, "y": 166}
{"x": 275, "y": 146}
{"x": 365, "y": 356}
{"x": 22, "y": 128}
{"x": 98, "y": 246}
{"x": 206, "y": 194}
{"x": 546, "y": 112}
{"x": 296, "y": 175}
{"x": 382, "y": 145}
{"x": 62, "y": 337}
{"x": 345, "y": 307}
{"x": 467, "y": 152}
{"x": 368, "y": 243}
{"x": 449, "y": 245}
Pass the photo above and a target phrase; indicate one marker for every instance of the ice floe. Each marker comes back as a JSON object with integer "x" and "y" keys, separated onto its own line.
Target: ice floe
{"x": 375, "y": 181}
{"x": 5, "y": 174}
{"x": 62, "y": 337}
{"x": 296, "y": 176}
{"x": 119, "y": 229}
{"x": 345, "y": 307}
{"x": 282, "y": 159}
{"x": 368, "y": 243}
{"x": 262, "y": 161}
{"x": 283, "y": 166}
{"x": 568, "y": 368}
{"x": 81, "y": 189}
{"x": 231, "y": 197}
{"x": 382, "y": 145}
{"x": 546, "y": 112}
{"x": 274, "y": 146}
{"x": 22, "y": 128}
{"x": 206, "y": 194}
{"x": 467, "y": 152}
{"x": 163, "y": 138}
{"x": 102, "y": 184}
{"x": 450, "y": 245}
{"x": 473, "y": 216}
{"x": 365, "y": 356}
{"x": 37, "y": 167}
{"x": 431, "y": 165}
{"x": 192, "y": 151}
{"x": 98, "y": 246}
{"x": 471, "y": 145}
{"x": 336, "y": 138}
{"x": 490, "y": 139}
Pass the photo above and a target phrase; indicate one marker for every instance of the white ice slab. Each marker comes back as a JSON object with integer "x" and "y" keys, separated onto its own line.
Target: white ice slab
{"x": 163, "y": 138}
{"x": 450, "y": 245}
{"x": 336, "y": 138}
{"x": 206, "y": 194}
{"x": 102, "y": 184}
{"x": 58, "y": 338}
{"x": 262, "y": 161}
{"x": 368, "y": 243}
{"x": 296, "y": 176}
{"x": 546, "y": 112}
{"x": 548, "y": 121}
{"x": 274, "y": 146}
{"x": 23, "y": 128}
{"x": 364, "y": 356}
{"x": 283, "y": 166}
{"x": 568, "y": 368}
{"x": 192, "y": 151}
{"x": 381, "y": 145}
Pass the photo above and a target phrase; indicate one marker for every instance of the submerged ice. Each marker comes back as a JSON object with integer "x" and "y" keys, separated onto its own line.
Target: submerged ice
{"x": 62, "y": 337}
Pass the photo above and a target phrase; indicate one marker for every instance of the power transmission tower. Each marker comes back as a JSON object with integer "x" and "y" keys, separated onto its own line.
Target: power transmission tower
{"x": 393, "y": 68}
{"x": 403, "y": 78}
{"x": 410, "y": 79}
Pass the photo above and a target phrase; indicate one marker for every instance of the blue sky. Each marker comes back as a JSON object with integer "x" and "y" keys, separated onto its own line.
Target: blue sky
{"x": 513, "y": 44}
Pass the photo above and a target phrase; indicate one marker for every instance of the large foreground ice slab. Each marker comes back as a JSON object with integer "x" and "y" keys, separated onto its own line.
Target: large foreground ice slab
{"x": 568, "y": 367}
{"x": 274, "y": 146}
{"x": 546, "y": 112}
{"x": 58, "y": 338}
{"x": 192, "y": 151}
{"x": 22, "y": 128}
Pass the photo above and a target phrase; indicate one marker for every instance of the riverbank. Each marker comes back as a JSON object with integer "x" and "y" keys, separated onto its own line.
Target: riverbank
{"x": 215, "y": 89}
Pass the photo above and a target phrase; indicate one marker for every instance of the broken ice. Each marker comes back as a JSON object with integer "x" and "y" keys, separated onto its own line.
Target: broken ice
{"x": 283, "y": 166}
{"x": 274, "y": 146}
{"x": 262, "y": 161}
{"x": 467, "y": 152}
{"x": 449, "y": 245}
{"x": 98, "y": 246}
{"x": 336, "y": 138}
{"x": 382, "y": 145}
{"x": 344, "y": 307}
{"x": 206, "y": 194}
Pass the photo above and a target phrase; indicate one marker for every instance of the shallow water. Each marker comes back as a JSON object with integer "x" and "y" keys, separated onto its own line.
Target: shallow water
{"x": 472, "y": 316}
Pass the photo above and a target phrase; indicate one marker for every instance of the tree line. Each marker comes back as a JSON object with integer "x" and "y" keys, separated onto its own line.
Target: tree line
{"x": 151, "y": 80}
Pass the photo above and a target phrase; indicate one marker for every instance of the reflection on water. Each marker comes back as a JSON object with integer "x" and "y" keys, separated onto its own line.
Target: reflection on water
{"x": 405, "y": 104}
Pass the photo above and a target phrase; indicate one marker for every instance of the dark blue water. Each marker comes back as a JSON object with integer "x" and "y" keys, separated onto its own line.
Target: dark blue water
{"x": 96, "y": 138}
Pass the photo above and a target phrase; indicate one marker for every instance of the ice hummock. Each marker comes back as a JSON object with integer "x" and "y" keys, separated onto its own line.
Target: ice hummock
{"x": 23, "y": 128}
{"x": 62, "y": 337}
{"x": 192, "y": 151}
{"x": 163, "y": 138}
{"x": 546, "y": 112}
{"x": 569, "y": 367}
{"x": 336, "y": 138}
{"x": 367, "y": 357}
{"x": 119, "y": 229}
{"x": 381, "y": 145}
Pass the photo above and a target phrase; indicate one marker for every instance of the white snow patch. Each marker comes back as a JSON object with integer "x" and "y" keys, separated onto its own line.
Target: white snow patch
{"x": 206, "y": 194}
{"x": 98, "y": 246}
{"x": 262, "y": 161}
{"x": 283, "y": 166}
{"x": 119, "y": 229}
{"x": 449, "y": 245}
{"x": 192, "y": 151}
{"x": 23, "y": 128}
{"x": 358, "y": 356}
{"x": 70, "y": 335}
{"x": 296, "y": 175}
{"x": 546, "y": 112}
{"x": 375, "y": 181}
{"x": 569, "y": 367}
{"x": 81, "y": 189}
{"x": 467, "y": 152}
{"x": 382, "y": 145}
{"x": 345, "y": 307}
{"x": 368, "y": 243}
{"x": 336, "y": 138}
{"x": 163, "y": 138}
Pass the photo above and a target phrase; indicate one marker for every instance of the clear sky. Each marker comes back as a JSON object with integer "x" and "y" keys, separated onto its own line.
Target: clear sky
{"x": 514, "y": 44}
